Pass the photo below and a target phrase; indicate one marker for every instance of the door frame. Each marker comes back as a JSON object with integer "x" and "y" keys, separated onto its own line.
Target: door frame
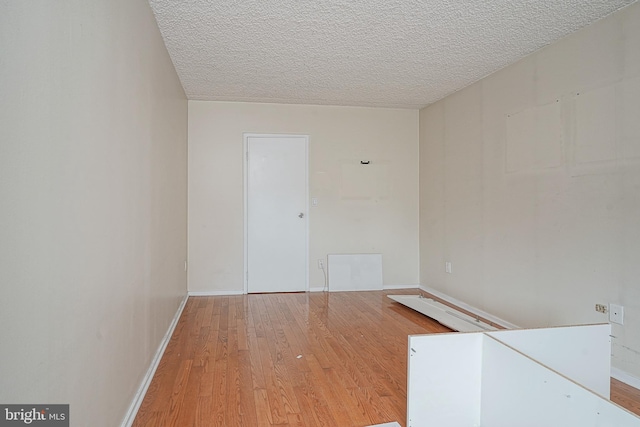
{"x": 245, "y": 163}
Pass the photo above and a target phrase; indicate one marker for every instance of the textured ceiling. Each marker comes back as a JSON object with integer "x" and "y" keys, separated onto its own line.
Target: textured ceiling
{"x": 381, "y": 53}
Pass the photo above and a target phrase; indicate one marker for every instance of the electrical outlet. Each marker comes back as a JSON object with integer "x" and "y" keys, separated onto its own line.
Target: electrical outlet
{"x": 601, "y": 308}
{"x": 320, "y": 264}
{"x": 447, "y": 267}
{"x": 616, "y": 314}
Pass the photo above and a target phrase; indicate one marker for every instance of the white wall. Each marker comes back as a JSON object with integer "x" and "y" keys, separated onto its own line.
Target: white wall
{"x": 93, "y": 125}
{"x": 340, "y": 224}
{"x": 530, "y": 186}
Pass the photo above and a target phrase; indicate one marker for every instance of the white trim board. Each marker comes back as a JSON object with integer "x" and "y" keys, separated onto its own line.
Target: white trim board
{"x": 581, "y": 353}
{"x": 130, "y": 416}
{"x": 616, "y": 373}
{"x": 476, "y": 379}
{"x": 469, "y": 308}
{"x": 444, "y": 314}
{"x": 354, "y": 272}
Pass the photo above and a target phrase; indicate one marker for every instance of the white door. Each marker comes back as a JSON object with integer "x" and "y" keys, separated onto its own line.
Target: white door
{"x": 276, "y": 204}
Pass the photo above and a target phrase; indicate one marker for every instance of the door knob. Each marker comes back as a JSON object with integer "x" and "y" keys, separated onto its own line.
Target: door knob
{"x": 300, "y": 215}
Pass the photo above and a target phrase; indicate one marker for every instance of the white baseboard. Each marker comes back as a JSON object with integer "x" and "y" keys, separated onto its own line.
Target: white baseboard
{"x": 411, "y": 286}
{"x": 228, "y": 293}
{"x": 214, "y": 293}
{"x": 469, "y": 308}
{"x": 625, "y": 377}
{"x": 146, "y": 381}
{"x": 385, "y": 287}
{"x": 314, "y": 289}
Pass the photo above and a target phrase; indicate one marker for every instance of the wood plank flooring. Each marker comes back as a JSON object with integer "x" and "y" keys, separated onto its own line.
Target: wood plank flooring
{"x": 300, "y": 359}
{"x": 625, "y": 396}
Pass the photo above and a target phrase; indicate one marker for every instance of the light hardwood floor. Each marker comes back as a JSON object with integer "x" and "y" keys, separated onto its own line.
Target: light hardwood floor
{"x": 300, "y": 359}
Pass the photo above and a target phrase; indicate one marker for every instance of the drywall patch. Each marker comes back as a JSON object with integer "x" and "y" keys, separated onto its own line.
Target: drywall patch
{"x": 606, "y": 129}
{"x": 534, "y": 138}
{"x": 629, "y": 107}
{"x": 595, "y": 135}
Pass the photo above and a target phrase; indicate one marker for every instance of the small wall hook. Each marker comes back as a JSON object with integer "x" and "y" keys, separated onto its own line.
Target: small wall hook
{"x": 362, "y": 162}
